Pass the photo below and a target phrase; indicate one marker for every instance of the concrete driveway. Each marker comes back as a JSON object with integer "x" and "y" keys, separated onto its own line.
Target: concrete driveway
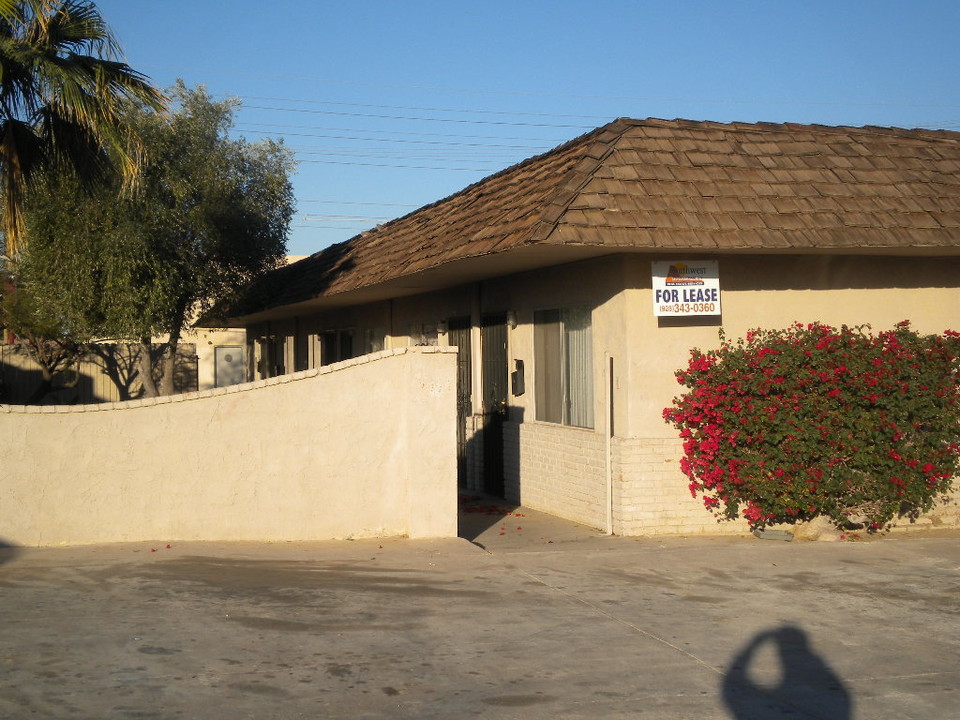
{"x": 545, "y": 620}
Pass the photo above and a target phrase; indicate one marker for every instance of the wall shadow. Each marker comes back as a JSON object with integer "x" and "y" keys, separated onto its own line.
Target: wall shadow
{"x": 8, "y": 552}
{"x": 478, "y": 511}
{"x": 21, "y": 382}
{"x": 805, "y": 683}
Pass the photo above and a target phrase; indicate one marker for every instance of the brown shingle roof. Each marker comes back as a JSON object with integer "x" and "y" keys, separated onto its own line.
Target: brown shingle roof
{"x": 669, "y": 185}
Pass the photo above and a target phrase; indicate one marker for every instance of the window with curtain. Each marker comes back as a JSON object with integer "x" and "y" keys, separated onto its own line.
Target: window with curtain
{"x": 563, "y": 357}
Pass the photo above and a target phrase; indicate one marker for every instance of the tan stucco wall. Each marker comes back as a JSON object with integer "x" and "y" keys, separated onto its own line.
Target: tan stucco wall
{"x": 362, "y": 448}
{"x": 206, "y": 342}
{"x": 773, "y": 292}
{"x": 563, "y": 470}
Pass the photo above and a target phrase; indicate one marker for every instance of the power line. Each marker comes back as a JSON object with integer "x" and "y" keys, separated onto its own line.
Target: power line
{"x": 472, "y": 111}
{"x": 254, "y": 127}
{"x": 338, "y": 113}
{"x": 410, "y": 133}
{"x": 572, "y": 96}
{"x": 406, "y": 154}
{"x": 344, "y": 218}
{"x": 400, "y": 167}
{"x": 357, "y": 202}
{"x": 330, "y": 227}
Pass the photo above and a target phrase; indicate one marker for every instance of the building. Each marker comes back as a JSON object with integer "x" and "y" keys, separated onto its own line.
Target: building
{"x": 575, "y": 283}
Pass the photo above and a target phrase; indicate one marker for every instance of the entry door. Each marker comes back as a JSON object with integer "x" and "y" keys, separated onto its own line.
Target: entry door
{"x": 459, "y": 329}
{"x": 228, "y": 365}
{"x": 493, "y": 348}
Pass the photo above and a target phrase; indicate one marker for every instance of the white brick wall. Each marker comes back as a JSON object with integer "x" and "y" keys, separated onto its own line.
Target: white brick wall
{"x": 563, "y": 471}
{"x": 473, "y": 469}
{"x": 651, "y": 496}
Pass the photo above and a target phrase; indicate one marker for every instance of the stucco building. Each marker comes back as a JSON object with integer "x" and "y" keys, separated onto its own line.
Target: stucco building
{"x": 575, "y": 283}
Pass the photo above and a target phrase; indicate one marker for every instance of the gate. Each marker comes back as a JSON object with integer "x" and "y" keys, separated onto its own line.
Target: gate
{"x": 460, "y": 331}
{"x": 493, "y": 349}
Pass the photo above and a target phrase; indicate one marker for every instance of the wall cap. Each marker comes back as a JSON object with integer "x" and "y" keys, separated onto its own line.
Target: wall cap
{"x": 230, "y": 389}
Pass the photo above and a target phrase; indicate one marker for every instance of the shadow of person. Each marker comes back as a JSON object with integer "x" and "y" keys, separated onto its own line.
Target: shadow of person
{"x": 778, "y": 673}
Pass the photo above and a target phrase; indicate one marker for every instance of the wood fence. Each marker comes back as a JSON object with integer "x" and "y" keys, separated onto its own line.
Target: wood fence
{"x": 107, "y": 373}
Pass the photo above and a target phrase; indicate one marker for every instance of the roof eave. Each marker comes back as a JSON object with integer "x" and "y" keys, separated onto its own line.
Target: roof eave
{"x": 534, "y": 257}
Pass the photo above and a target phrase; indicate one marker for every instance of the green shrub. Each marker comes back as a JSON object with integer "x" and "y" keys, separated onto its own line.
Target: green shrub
{"x": 787, "y": 425}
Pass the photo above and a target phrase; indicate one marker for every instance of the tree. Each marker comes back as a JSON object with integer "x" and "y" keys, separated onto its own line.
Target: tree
{"x": 62, "y": 98}
{"x": 210, "y": 214}
{"x": 45, "y": 341}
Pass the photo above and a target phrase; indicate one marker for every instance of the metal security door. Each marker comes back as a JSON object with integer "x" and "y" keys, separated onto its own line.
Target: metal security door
{"x": 493, "y": 348}
{"x": 460, "y": 330}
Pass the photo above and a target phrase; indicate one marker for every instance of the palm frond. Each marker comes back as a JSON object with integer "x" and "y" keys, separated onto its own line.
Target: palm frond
{"x": 61, "y": 79}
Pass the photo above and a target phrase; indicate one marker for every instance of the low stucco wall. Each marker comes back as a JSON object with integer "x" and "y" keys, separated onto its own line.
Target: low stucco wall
{"x": 363, "y": 448}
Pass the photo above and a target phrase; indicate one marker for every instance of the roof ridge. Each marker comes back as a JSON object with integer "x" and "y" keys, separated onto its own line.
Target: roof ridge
{"x": 486, "y": 179}
{"x": 770, "y": 126}
{"x": 553, "y": 209}
{"x": 567, "y": 192}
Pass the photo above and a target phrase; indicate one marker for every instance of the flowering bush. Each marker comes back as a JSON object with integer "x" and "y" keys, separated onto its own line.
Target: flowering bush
{"x": 786, "y": 425}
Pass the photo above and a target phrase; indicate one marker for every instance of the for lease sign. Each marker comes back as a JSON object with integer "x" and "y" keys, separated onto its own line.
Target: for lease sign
{"x": 686, "y": 287}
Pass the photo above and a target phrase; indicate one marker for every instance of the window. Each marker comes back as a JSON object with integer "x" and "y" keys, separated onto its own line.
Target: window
{"x": 302, "y": 349}
{"x": 374, "y": 340}
{"x": 270, "y": 356}
{"x": 563, "y": 355}
{"x": 337, "y": 345}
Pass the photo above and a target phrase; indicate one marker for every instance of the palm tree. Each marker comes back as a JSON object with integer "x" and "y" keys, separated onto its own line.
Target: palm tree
{"x": 62, "y": 97}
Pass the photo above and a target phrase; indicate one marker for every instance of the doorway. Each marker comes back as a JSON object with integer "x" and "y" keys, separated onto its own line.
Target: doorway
{"x": 493, "y": 351}
{"x": 460, "y": 331}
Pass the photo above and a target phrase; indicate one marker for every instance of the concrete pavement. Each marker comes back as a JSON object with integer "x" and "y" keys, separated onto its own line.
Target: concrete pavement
{"x": 546, "y": 620}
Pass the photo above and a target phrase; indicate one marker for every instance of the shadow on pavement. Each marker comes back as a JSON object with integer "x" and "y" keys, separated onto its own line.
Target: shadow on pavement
{"x": 7, "y": 552}
{"x": 478, "y": 514}
{"x": 778, "y": 673}
{"x": 497, "y": 525}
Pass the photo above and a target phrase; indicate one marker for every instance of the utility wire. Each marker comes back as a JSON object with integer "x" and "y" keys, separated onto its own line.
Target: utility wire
{"x": 472, "y": 111}
{"x": 337, "y": 113}
{"x": 357, "y": 202}
{"x": 393, "y": 131}
{"x": 574, "y": 96}
{"x": 401, "y": 167}
{"x": 254, "y": 127}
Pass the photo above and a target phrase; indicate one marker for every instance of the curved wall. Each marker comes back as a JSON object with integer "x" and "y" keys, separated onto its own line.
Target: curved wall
{"x": 363, "y": 448}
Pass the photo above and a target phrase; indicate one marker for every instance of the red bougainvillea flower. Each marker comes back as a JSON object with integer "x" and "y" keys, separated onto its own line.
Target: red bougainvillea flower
{"x": 786, "y": 425}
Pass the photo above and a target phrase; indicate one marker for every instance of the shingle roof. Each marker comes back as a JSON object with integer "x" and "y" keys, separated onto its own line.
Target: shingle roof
{"x": 670, "y": 185}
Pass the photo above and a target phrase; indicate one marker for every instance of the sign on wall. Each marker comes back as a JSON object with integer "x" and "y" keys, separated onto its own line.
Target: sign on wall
{"x": 683, "y": 288}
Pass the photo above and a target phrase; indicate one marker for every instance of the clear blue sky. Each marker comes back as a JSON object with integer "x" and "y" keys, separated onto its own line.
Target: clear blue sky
{"x": 393, "y": 105}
